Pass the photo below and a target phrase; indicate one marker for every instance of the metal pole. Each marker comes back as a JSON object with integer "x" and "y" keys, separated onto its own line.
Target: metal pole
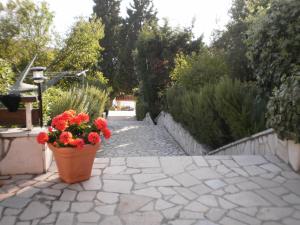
{"x": 40, "y": 103}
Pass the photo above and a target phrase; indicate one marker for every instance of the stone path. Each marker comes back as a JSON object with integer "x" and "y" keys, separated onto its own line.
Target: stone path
{"x": 137, "y": 138}
{"x": 181, "y": 190}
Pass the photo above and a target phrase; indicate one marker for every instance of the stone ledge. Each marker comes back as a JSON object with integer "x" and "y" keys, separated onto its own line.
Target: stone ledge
{"x": 19, "y": 132}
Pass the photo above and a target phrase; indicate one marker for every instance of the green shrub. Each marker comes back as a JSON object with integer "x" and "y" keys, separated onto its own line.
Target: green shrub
{"x": 141, "y": 109}
{"x": 238, "y": 105}
{"x": 6, "y": 76}
{"x": 196, "y": 70}
{"x": 284, "y": 109}
{"x": 196, "y": 112}
{"x": 87, "y": 99}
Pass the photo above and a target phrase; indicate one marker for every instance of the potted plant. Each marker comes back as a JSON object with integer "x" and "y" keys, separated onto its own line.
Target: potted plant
{"x": 74, "y": 142}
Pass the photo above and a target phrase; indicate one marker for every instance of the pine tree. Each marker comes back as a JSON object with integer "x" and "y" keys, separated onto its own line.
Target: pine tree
{"x": 108, "y": 11}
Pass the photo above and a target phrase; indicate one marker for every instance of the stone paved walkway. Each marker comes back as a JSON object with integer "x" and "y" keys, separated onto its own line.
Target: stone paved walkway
{"x": 136, "y": 138}
{"x": 181, "y": 190}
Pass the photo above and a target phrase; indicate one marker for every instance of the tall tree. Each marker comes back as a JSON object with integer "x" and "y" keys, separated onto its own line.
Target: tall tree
{"x": 108, "y": 11}
{"x": 139, "y": 13}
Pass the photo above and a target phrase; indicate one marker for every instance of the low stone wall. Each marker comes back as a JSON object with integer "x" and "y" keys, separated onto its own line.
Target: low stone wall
{"x": 21, "y": 154}
{"x": 148, "y": 119}
{"x": 182, "y": 136}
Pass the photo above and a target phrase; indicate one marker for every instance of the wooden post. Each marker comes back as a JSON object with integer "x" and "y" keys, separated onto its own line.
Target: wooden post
{"x": 28, "y": 106}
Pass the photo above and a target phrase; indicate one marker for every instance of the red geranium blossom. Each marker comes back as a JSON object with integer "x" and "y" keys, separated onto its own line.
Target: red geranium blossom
{"x": 61, "y": 125}
{"x": 106, "y": 133}
{"x": 50, "y": 129}
{"x": 84, "y": 118}
{"x": 78, "y": 142}
{"x": 68, "y": 115}
{"x": 94, "y": 138}
{"x": 65, "y": 137}
{"x": 100, "y": 123}
{"x": 42, "y": 138}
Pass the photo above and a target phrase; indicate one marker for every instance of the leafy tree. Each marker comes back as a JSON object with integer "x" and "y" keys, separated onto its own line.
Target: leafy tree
{"x": 157, "y": 48}
{"x": 274, "y": 43}
{"x": 24, "y": 32}
{"x": 6, "y": 76}
{"x": 108, "y": 11}
{"x": 139, "y": 13}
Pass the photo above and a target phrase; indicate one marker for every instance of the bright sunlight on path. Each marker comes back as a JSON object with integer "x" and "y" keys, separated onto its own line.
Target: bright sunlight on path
{"x": 137, "y": 138}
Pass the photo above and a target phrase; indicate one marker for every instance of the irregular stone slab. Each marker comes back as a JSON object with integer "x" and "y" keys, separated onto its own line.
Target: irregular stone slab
{"x": 205, "y": 173}
{"x": 11, "y": 212}
{"x": 81, "y": 206}
{"x": 226, "y": 204}
{"x": 106, "y": 209}
{"x": 60, "y": 206}
{"x": 215, "y": 184}
{"x": 68, "y": 195}
{"x": 142, "y": 162}
{"x": 86, "y": 195}
{"x": 60, "y": 186}
{"x": 113, "y": 220}
{"x": 275, "y": 200}
{"x": 114, "y": 169}
{"x": 248, "y": 160}
{"x": 145, "y": 218}
{"x": 150, "y": 192}
{"x": 200, "y": 161}
{"x": 171, "y": 213}
{"x": 292, "y": 199}
{"x": 273, "y": 213}
{"x": 230, "y": 221}
{"x": 230, "y": 163}
{"x": 247, "y": 199}
{"x": 65, "y": 218}
{"x": 175, "y": 165}
{"x": 162, "y": 204}
{"x": 294, "y": 186}
{"x": 250, "y": 210}
{"x": 15, "y": 202}
{"x": 197, "y": 207}
{"x": 248, "y": 185}
{"x": 164, "y": 183}
{"x": 263, "y": 182}
{"x": 271, "y": 167}
{"x": 49, "y": 219}
{"x": 244, "y": 218}
{"x": 148, "y": 207}
{"x": 254, "y": 170}
{"x": 131, "y": 203}
{"x": 208, "y": 200}
{"x": 179, "y": 200}
{"x": 206, "y": 222}
{"x": 107, "y": 197}
{"x": 182, "y": 222}
{"x": 117, "y": 186}
{"x": 190, "y": 215}
{"x": 186, "y": 179}
{"x": 8, "y": 220}
{"x": 90, "y": 217}
{"x": 185, "y": 192}
{"x": 144, "y": 178}
{"x": 27, "y": 192}
{"x": 200, "y": 189}
{"x": 94, "y": 183}
{"x": 215, "y": 214}
{"x": 34, "y": 210}
{"x": 52, "y": 192}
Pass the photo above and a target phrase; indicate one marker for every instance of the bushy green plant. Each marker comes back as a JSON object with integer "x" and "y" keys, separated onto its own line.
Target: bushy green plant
{"x": 238, "y": 105}
{"x": 81, "y": 99}
{"x": 196, "y": 70}
{"x": 141, "y": 109}
{"x": 6, "y": 76}
{"x": 284, "y": 109}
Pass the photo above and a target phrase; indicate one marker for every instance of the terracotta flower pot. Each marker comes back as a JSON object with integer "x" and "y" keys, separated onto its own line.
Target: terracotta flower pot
{"x": 74, "y": 165}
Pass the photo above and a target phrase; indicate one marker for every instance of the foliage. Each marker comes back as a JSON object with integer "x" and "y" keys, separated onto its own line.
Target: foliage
{"x": 108, "y": 11}
{"x": 24, "y": 32}
{"x": 6, "y": 76}
{"x": 284, "y": 109}
{"x": 238, "y": 105}
{"x": 82, "y": 99}
{"x": 196, "y": 70}
{"x": 196, "y": 111}
{"x": 157, "y": 48}
{"x": 69, "y": 129}
{"x": 141, "y": 108}
{"x": 274, "y": 43}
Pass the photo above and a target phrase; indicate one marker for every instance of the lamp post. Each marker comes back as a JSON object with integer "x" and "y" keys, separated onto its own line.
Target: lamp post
{"x": 38, "y": 78}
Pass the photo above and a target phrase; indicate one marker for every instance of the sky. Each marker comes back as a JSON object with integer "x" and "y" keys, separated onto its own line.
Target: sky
{"x": 209, "y": 14}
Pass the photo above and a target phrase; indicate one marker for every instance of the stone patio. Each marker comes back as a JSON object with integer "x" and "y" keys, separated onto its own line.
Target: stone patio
{"x": 179, "y": 190}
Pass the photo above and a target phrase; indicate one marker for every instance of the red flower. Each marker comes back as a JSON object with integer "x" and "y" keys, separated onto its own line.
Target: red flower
{"x": 106, "y": 133}
{"x": 68, "y": 115}
{"x": 100, "y": 123}
{"x": 78, "y": 142}
{"x": 94, "y": 138}
{"x": 42, "y": 138}
{"x": 65, "y": 137}
{"x": 84, "y": 118}
{"x": 61, "y": 125}
{"x": 50, "y": 129}
{"x": 75, "y": 120}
